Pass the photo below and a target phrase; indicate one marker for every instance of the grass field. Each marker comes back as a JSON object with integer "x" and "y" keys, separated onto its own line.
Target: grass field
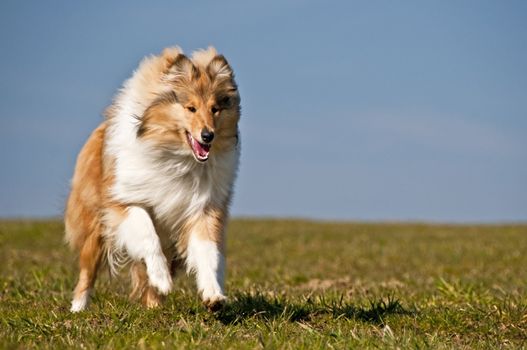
{"x": 292, "y": 284}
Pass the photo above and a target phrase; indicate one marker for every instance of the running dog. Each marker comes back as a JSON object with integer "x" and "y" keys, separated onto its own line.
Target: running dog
{"x": 153, "y": 183}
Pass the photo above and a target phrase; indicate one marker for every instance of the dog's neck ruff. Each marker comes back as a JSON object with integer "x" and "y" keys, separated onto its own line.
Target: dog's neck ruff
{"x": 169, "y": 181}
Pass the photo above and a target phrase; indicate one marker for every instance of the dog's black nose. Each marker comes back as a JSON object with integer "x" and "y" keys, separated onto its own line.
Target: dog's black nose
{"x": 206, "y": 135}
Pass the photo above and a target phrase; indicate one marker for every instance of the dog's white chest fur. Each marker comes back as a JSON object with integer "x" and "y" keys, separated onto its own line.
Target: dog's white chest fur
{"x": 171, "y": 183}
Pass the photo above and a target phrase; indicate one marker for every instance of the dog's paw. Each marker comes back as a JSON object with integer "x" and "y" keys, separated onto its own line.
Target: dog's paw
{"x": 77, "y": 306}
{"x": 215, "y": 302}
{"x": 80, "y": 301}
{"x": 159, "y": 277}
{"x": 151, "y": 299}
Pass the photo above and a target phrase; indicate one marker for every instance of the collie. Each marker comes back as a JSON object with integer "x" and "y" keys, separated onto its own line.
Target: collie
{"x": 153, "y": 183}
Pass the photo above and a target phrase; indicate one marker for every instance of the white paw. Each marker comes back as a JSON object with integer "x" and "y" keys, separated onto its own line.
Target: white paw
{"x": 80, "y": 302}
{"x": 159, "y": 276}
{"x": 215, "y": 302}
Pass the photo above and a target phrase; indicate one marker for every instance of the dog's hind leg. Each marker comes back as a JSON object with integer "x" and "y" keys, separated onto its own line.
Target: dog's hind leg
{"x": 139, "y": 279}
{"x": 140, "y": 288}
{"x": 89, "y": 261}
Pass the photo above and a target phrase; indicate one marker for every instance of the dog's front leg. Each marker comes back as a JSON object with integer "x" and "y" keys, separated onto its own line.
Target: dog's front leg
{"x": 137, "y": 235}
{"x": 205, "y": 257}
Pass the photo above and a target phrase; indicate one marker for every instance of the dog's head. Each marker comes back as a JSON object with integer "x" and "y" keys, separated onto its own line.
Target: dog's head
{"x": 198, "y": 107}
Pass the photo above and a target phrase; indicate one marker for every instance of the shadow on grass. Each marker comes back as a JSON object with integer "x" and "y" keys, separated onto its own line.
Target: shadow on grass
{"x": 244, "y": 306}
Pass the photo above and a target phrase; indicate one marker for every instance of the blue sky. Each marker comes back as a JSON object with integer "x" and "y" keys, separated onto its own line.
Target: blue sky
{"x": 352, "y": 110}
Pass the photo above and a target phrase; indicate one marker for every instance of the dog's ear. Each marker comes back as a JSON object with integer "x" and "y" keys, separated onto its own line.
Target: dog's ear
{"x": 182, "y": 68}
{"x": 219, "y": 68}
{"x": 169, "y": 56}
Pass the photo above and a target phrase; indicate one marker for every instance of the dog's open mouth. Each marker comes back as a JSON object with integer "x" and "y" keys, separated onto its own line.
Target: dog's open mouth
{"x": 200, "y": 150}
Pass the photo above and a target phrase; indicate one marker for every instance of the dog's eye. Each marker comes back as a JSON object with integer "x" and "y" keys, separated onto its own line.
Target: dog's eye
{"x": 192, "y": 109}
{"x": 214, "y": 110}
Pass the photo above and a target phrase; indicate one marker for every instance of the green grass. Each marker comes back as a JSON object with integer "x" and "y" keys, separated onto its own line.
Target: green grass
{"x": 292, "y": 284}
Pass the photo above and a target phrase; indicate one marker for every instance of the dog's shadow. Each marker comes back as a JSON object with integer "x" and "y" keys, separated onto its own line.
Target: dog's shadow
{"x": 249, "y": 305}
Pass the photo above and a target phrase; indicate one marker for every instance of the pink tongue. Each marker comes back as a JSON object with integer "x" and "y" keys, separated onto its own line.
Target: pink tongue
{"x": 201, "y": 150}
